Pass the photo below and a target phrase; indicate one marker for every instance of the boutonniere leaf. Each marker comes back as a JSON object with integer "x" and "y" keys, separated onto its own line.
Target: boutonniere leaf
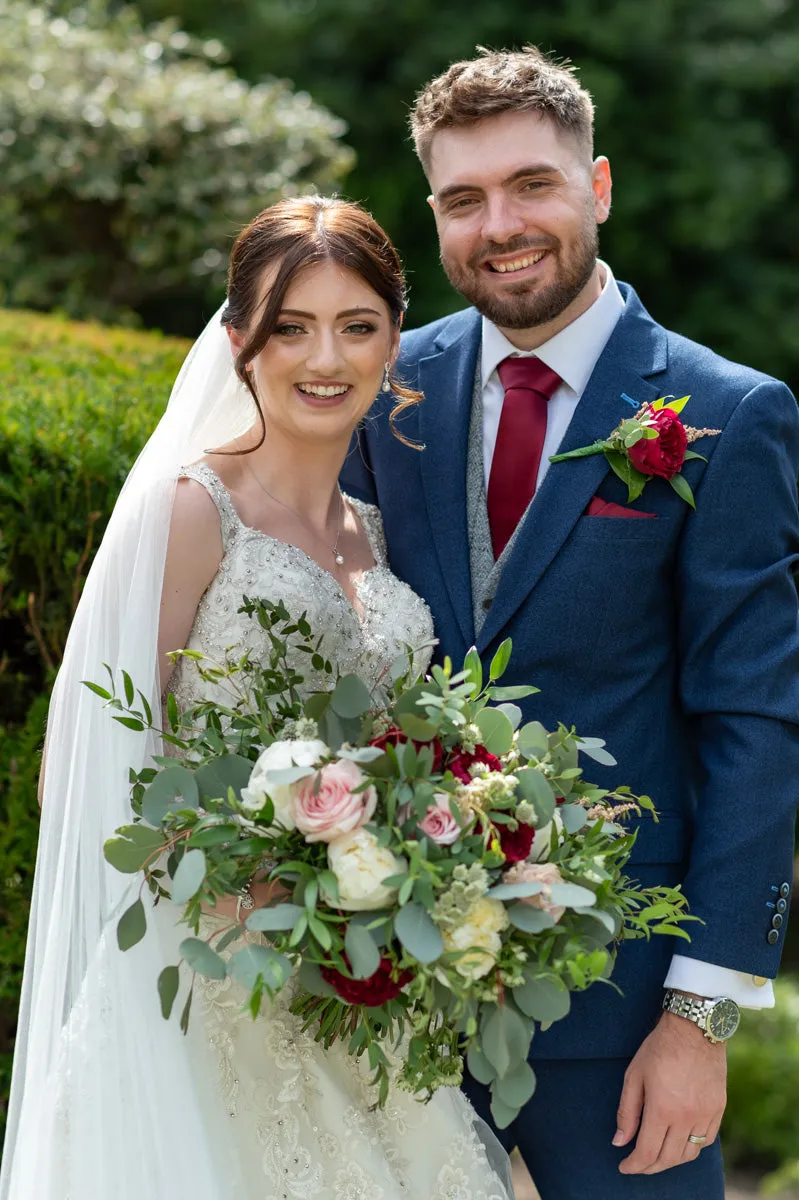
{"x": 652, "y": 444}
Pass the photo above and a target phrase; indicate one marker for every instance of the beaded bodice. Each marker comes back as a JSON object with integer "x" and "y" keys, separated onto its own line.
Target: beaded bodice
{"x": 257, "y": 565}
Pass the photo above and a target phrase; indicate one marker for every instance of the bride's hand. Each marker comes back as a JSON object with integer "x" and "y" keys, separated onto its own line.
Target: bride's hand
{"x": 262, "y": 891}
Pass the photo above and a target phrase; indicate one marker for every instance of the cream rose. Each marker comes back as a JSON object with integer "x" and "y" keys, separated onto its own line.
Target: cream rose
{"x": 546, "y": 873}
{"x": 542, "y": 842}
{"x": 439, "y": 824}
{"x": 360, "y": 865}
{"x": 479, "y": 935}
{"x": 279, "y": 757}
{"x": 326, "y": 805}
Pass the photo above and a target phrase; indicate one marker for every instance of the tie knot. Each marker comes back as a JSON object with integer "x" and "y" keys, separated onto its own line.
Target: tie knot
{"x": 530, "y": 373}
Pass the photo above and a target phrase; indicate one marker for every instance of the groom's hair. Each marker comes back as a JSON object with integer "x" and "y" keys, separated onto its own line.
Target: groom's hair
{"x": 500, "y": 81}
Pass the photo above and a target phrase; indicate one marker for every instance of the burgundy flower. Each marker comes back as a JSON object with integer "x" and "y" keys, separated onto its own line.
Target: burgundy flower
{"x": 395, "y": 737}
{"x": 461, "y": 760}
{"x": 386, "y": 984}
{"x": 516, "y": 844}
{"x": 665, "y": 454}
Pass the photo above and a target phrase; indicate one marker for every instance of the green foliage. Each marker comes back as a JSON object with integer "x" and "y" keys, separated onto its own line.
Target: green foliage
{"x": 761, "y": 1125}
{"x": 695, "y": 109}
{"x": 130, "y": 160}
{"x": 77, "y": 404}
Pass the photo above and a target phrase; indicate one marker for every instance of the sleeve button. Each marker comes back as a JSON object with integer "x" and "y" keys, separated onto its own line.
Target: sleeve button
{"x": 782, "y": 906}
{"x": 772, "y": 937}
{"x": 785, "y": 890}
{"x": 776, "y": 921}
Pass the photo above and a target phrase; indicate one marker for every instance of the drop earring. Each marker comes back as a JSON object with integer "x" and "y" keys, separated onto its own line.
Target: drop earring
{"x": 386, "y": 384}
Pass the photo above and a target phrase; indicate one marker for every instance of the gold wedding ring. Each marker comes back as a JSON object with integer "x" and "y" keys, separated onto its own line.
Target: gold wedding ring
{"x": 697, "y": 1139}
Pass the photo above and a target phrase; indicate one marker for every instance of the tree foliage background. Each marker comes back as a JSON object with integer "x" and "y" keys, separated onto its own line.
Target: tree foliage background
{"x": 697, "y": 109}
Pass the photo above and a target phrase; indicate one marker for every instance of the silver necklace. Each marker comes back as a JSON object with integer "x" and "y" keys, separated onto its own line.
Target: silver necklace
{"x": 338, "y": 558}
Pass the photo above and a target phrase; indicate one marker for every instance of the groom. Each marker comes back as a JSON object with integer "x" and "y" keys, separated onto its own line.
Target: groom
{"x": 671, "y": 633}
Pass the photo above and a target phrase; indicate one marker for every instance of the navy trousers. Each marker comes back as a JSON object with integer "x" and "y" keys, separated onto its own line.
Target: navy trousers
{"x": 564, "y": 1136}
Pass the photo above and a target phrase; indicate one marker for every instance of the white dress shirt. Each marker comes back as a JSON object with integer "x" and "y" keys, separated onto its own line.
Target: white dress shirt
{"x": 573, "y": 353}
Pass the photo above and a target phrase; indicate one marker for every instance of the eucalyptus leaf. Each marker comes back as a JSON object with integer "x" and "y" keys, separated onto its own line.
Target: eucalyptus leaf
{"x": 132, "y": 847}
{"x": 479, "y": 1066}
{"x": 573, "y": 816}
{"x": 517, "y": 1087}
{"x": 495, "y": 729}
{"x": 571, "y": 895}
{"x": 529, "y": 919}
{"x": 172, "y": 782}
{"x": 168, "y": 984}
{"x": 280, "y": 917}
{"x": 595, "y": 748}
{"x": 132, "y": 926}
{"x": 520, "y": 692}
{"x": 416, "y": 727}
{"x": 251, "y": 961}
{"x": 536, "y": 790}
{"x": 503, "y": 1115}
{"x": 505, "y": 1039}
{"x": 512, "y": 712}
{"x": 227, "y": 771}
{"x": 419, "y": 935}
{"x": 351, "y": 697}
{"x": 533, "y": 740}
{"x": 202, "y": 959}
{"x": 189, "y": 876}
{"x": 311, "y": 979}
{"x": 514, "y": 891}
{"x": 542, "y": 999}
{"x": 362, "y": 951}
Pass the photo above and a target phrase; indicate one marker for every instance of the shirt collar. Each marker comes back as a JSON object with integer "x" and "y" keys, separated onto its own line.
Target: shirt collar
{"x": 573, "y": 352}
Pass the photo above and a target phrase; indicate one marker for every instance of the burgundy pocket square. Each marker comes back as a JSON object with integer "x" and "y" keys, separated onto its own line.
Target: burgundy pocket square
{"x": 605, "y": 508}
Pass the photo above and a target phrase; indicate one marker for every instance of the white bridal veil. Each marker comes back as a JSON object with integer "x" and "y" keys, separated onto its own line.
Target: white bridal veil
{"x": 104, "y": 1105}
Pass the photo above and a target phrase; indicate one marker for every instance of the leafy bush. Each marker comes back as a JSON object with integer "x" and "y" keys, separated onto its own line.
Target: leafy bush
{"x": 78, "y": 402}
{"x": 128, "y": 160}
{"x": 761, "y": 1125}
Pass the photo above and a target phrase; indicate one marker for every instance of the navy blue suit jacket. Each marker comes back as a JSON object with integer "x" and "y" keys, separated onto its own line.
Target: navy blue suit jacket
{"x": 676, "y": 639}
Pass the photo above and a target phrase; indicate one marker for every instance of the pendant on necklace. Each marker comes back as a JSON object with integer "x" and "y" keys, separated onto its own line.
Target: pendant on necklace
{"x": 340, "y": 559}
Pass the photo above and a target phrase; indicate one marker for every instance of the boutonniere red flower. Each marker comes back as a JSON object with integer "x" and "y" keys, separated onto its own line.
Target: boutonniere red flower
{"x": 652, "y": 443}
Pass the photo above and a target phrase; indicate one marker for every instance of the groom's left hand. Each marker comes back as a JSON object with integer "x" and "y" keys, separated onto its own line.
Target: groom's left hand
{"x": 675, "y": 1086}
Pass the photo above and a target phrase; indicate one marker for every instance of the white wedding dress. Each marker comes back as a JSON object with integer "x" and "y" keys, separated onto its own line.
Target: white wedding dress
{"x": 300, "y": 1120}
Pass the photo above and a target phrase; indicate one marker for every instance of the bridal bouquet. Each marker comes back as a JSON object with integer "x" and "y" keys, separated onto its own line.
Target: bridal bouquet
{"x": 448, "y": 877}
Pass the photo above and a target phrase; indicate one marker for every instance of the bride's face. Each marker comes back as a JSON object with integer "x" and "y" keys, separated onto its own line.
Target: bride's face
{"x": 322, "y": 368}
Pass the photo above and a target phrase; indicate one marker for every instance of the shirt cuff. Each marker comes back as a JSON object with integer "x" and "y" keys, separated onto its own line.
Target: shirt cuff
{"x": 706, "y": 979}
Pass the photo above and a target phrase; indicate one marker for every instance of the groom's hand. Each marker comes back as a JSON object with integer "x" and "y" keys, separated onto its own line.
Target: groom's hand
{"x": 675, "y": 1086}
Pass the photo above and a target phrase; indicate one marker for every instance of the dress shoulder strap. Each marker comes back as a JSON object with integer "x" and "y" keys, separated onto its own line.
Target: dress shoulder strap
{"x": 372, "y": 522}
{"x": 207, "y": 476}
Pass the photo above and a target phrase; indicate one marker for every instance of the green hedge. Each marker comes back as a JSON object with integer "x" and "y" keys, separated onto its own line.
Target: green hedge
{"x": 77, "y": 403}
{"x": 761, "y": 1125}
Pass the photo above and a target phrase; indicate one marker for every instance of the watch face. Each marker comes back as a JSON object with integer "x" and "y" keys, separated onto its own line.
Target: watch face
{"x": 723, "y": 1019}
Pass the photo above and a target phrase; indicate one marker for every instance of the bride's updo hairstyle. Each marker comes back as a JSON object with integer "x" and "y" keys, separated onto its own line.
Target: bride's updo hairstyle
{"x": 299, "y": 233}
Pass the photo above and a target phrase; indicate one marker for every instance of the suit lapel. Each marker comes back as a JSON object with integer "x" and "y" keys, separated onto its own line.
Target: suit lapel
{"x": 447, "y": 380}
{"x": 636, "y": 350}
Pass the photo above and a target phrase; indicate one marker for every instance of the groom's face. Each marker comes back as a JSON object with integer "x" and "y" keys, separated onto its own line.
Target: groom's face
{"x": 517, "y": 203}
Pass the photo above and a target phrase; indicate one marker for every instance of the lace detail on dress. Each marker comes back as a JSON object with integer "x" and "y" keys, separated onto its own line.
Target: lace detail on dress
{"x": 258, "y": 565}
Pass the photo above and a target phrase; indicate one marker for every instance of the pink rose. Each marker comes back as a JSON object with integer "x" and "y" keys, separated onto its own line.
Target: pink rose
{"x": 326, "y": 805}
{"x": 439, "y": 824}
{"x": 546, "y": 873}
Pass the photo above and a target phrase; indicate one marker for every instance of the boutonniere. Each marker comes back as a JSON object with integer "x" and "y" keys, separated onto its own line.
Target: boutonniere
{"x": 652, "y": 443}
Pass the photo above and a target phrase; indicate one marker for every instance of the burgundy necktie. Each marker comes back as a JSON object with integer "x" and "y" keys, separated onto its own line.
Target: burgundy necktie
{"x": 529, "y": 384}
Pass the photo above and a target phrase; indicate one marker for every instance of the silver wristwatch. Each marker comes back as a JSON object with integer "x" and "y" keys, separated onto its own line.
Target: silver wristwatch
{"x": 718, "y": 1019}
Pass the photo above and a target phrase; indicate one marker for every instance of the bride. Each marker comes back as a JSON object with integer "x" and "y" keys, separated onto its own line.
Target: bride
{"x": 236, "y": 492}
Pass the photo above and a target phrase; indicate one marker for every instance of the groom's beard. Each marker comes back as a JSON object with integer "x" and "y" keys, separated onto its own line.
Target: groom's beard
{"x": 526, "y": 305}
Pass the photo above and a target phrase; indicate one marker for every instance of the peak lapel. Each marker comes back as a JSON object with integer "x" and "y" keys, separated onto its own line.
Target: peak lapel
{"x": 636, "y": 349}
{"x": 447, "y": 380}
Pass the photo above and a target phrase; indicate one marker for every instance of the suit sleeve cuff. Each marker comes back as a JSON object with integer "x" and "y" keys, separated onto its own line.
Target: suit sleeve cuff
{"x": 705, "y": 979}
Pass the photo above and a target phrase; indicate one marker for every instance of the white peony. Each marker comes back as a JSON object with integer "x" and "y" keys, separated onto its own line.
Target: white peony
{"x": 279, "y": 757}
{"x": 479, "y": 934}
{"x": 542, "y": 842}
{"x": 360, "y": 865}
